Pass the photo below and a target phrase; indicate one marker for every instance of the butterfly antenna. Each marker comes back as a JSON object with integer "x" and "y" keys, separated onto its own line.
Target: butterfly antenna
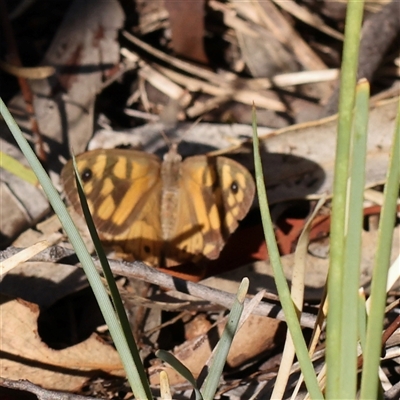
{"x": 167, "y": 139}
{"x": 171, "y": 144}
{"x": 195, "y": 123}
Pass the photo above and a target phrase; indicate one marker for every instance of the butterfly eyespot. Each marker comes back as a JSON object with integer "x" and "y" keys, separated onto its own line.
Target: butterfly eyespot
{"x": 234, "y": 187}
{"x": 86, "y": 174}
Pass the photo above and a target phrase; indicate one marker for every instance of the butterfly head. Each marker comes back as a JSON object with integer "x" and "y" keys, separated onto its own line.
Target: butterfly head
{"x": 172, "y": 155}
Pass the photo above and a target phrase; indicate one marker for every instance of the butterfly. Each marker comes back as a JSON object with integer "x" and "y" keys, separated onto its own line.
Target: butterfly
{"x": 164, "y": 213}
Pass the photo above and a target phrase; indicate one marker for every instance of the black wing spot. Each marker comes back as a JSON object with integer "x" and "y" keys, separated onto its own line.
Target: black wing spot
{"x": 234, "y": 187}
{"x": 86, "y": 175}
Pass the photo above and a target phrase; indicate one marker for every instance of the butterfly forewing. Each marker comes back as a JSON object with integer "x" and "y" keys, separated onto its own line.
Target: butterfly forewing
{"x": 116, "y": 183}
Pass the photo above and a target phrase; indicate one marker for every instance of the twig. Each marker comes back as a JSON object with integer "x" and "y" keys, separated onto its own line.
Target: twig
{"x": 303, "y": 14}
{"x": 42, "y": 394}
{"x": 139, "y": 270}
{"x": 183, "y": 65}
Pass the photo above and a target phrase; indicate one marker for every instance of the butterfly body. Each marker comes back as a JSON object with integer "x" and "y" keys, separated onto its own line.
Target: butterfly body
{"x": 162, "y": 212}
{"x": 170, "y": 176}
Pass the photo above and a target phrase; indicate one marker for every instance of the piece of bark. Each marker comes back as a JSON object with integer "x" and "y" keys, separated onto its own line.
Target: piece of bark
{"x": 187, "y": 27}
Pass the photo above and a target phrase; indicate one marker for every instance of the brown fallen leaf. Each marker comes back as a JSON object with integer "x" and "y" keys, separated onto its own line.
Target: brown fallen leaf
{"x": 257, "y": 335}
{"x": 25, "y": 356}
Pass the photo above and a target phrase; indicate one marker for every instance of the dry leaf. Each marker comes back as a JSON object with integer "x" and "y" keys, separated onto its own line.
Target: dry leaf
{"x": 299, "y": 160}
{"x": 25, "y": 356}
{"x": 257, "y": 335}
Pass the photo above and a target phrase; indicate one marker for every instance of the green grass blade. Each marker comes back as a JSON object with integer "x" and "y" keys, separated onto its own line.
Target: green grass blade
{"x": 352, "y": 250}
{"x": 297, "y": 293}
{"x": 339, "y": 201}
{"x": 280, "y": 279}
{"x": 369, "y": 382}
{"x": 181, "y": 369}
{"x": 139, "y": 373}
{"x": 81, "y": 251}
{"x": 362, "y": 319}
{"x": 16, "y": 168}
{"x": 211, "y": 382}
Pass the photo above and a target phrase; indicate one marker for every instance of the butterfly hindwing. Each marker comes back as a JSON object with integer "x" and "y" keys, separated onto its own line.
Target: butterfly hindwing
{"x": 215, "y": 193}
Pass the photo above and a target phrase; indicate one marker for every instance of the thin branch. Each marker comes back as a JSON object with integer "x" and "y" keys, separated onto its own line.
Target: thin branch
{"x": 139, "y": 270}
{"x": 42, "y": 394}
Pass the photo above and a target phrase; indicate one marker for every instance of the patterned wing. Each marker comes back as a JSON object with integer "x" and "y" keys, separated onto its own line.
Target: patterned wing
{"x": 214, "y": 194}
{"x": 123, "y": 190}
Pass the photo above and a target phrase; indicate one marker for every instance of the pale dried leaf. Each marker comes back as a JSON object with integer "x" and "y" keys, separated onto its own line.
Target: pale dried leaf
{"x": 24, "y": 355}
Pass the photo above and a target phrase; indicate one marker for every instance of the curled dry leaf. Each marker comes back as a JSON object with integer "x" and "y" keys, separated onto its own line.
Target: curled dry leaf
{"x": 24, "y": 355}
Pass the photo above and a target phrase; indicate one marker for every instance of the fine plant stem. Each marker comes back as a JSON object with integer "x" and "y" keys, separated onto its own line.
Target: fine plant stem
{"x": 339, "y": 202}
{"x": 279, "y": 276}
{"x": 112, "y": 286}
{"x": 352, "y": 258}
{"x": 212, "y": 380}
{"x": 369, "y": 383}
